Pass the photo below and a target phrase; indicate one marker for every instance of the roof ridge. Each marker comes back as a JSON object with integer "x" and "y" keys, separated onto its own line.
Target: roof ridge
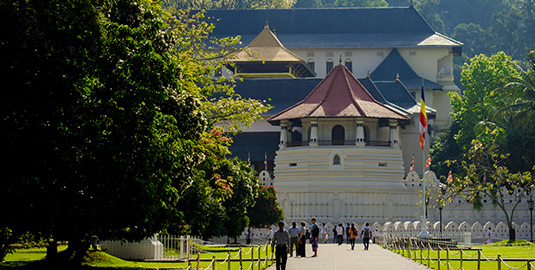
{"x": 353, "y": 95}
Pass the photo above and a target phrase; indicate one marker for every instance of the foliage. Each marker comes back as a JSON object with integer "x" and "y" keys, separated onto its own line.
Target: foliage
{"x": 444, "y": 149}
{"x": 483, "y": 79}
{"x": 492, "y": 116}
{"x": 430, "y": 11}
{"x": 245, "y": 189}
{"x": 266, "y": 210}
{"x": 487, "y": 176}
{"x": 97, "y": 121}
{"x": 237, "y": 4}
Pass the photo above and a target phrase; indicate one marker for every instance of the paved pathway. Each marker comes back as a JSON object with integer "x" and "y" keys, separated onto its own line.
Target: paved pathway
{"x": 333, "y": 256}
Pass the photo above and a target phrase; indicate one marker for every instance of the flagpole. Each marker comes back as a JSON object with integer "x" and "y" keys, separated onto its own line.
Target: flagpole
{"x": 423, "y": 130}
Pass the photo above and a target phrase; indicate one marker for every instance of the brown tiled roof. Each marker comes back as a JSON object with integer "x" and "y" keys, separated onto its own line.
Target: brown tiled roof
{"x": 339, "y": 94}
{"x": 266, "y": 47}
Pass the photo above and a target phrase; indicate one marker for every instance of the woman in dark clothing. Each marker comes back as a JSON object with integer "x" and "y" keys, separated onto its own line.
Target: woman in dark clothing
{"x": 302, "y": 241}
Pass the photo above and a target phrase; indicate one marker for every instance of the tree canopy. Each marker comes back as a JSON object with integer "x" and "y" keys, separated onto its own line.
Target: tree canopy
{"x": 494, "y": 158}
{"x": 108, "y": 123}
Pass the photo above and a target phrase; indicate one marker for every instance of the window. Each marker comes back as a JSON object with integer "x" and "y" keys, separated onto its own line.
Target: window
{"x": 336, "y": 160}
{"x": 338, "y": 136}
{"x": 311, "y": 64}
{"x": 329, "y": 65}
{"x": 349, "y": 64}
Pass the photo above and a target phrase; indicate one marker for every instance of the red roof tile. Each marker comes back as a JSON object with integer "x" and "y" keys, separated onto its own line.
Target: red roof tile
{"x": 339, "y": 94}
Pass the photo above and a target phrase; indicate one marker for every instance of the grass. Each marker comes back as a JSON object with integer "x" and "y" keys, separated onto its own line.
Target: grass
{"x": 30, "y": 258}
{"x": 516, "y": 250}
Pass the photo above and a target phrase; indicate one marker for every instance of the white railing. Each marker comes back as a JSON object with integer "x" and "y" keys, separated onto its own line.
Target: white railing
{"x": 159, "y": 247}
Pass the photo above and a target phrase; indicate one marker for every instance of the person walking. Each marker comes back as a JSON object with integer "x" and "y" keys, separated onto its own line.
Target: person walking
{"x": 324, "y": 233}
{"x": 248, "y": 236}
{"x": 302, "y": 241}
{"x": 269, "y": 236}
{"x": 366, "y": 234}
{"x": 281, "y": 240}
{"x": 335, "y": 234}
{"x": 353, "y": 233}
{"x": 340, "y": 234}
{"x": 489, "y": 236}
{"x": 314, "y": 237}
{"x": 294, "y": 238}
{"x": 348, "y": 234}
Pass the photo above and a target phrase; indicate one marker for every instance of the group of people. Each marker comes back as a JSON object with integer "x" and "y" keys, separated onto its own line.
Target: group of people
{"x": 351, "y": 232}
{"x": 283, "y": 242}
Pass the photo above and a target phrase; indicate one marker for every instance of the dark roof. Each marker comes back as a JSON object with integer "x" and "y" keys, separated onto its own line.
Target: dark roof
{"x": 339, "y": 94}
{"x": 372, "y": 89}
{"x": 332, "y": 28}
{"x": 395, "y": 92}
{"x": 281, "y": 93}
{"x": 248, "y": 143}
{"x": 393, "y": 65}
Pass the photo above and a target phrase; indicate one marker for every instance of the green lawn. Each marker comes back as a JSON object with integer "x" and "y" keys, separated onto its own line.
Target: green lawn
{"x": 488, "y": 258}
{"x": 24, "y": 258}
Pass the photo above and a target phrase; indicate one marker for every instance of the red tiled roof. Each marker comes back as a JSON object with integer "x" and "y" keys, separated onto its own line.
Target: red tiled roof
{"x": 339, "y": 94}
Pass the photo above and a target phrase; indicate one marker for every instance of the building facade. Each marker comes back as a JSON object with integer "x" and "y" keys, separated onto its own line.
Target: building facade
{"x": 345, "y": 85}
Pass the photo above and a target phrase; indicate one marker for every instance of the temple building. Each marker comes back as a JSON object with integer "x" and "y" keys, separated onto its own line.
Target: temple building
{"x": 345, "y": 89}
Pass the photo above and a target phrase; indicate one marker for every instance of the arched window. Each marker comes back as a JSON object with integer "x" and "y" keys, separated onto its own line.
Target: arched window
{"x": 336, "y": 160}
{"x": 338, "y": 135}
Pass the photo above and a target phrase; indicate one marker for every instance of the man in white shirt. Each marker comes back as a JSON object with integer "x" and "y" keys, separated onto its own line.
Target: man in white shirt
{"x": 294, "y": 237}
{"x": 281, "y": 240}
{"x": 324, "y": 233}
{"x": 270, "y": 235}
{"x": 340, "y": 233}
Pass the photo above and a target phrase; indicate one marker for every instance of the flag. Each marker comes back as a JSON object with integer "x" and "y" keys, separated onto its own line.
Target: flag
{"x": 428, "y": 162}
{"x": 450, "y": 178}
{"x": 248, "y": 158}
{"x": 265, "y": 161}
{"x": 412, "y": 163}
{"x": 423, "y": 120}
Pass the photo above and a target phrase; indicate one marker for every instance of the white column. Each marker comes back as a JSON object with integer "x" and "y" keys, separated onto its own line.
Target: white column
{"x": 359, "y": 140}
{"x": 284, "y": 135}
{"x": 313, "y": 133}
{"x": 289, "y": 128}
{"x": 393, "y": 133}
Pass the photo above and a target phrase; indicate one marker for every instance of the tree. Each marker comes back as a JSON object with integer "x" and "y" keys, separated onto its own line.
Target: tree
{"x": 221, "y": 4}
{"x": 487, "y": 175}
{"x": 483, "y": 78}
{"x": 430, "y": 11}
{"x": 492, "y": 115}
{"x": 97, "y": 126}
{"x": 266, "y": 210}
{"x": 245, "y": 187}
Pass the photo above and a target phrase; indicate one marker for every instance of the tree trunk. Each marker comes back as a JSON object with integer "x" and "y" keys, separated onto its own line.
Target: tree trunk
{"x": 52, "y": 251}
{"x": 512, "y": 234}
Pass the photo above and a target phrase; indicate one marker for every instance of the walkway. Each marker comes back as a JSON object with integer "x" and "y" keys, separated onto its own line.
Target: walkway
{"x": 333, "y": 256}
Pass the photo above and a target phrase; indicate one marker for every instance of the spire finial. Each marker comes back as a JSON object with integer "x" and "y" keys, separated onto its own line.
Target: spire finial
{"x": 397, "y": 77}
{"x": 411, "y": 3}
{"x": 267, "y": 24}
{"x": 340, "y": 59}
{"x": 368, "y": 75}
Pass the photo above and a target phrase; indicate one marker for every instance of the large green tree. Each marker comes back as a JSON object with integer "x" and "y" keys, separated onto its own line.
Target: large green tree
{"x": 97, "y": 126}
{"x": 494, "y": 116}
{"x": 483, "y": 78}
